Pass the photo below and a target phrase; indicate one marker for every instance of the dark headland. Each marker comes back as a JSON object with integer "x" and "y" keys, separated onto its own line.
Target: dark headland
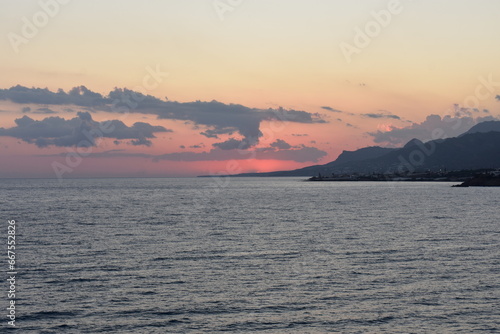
{"x": 482, "y": 180}
{"x": 482, "y": 177}
{"x": 455, "y": 159}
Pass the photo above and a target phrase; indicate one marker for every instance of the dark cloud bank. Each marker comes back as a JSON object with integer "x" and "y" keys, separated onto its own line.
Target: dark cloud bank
{"x": 212, "y": 118}
{"x": 216, "y": 117}
{"x": 78, "y": 131}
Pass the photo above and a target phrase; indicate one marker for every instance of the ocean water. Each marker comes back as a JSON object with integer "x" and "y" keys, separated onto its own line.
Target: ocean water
{"x": 253, "y": 255}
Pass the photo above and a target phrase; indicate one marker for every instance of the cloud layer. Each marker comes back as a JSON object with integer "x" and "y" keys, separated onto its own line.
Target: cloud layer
{"x": 331, "y": 109}
{"x": 301, "y": 154}
{"x": 434, "y": 127}
{"x": 217, "y": 118}
{"x": 80, "y": 96}
{"x": 381, "y": 115}
{"x": 79, "y": 131}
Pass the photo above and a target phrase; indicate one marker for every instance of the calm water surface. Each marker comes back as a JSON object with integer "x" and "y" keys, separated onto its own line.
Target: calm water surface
{"x": 248, "y": 255}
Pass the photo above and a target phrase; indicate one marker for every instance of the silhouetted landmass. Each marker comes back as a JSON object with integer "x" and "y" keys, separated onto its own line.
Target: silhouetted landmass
{"x": 345, "y": 158}
{"x": 484, "y": 127}
{"x": 482, "y": 180}
{"x": 478, "y": 150}
{"x": 443, "y": 176}
{"x": 365, "y": 153}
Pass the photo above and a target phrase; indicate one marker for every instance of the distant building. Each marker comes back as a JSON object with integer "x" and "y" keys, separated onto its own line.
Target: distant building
{"x": 495, "y": 172}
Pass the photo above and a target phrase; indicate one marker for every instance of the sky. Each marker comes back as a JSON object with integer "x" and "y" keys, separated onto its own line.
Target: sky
{"x": 124, "y": 88}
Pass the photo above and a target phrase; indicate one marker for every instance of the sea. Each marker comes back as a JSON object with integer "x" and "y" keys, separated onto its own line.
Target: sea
{"x": 251, "y": 255}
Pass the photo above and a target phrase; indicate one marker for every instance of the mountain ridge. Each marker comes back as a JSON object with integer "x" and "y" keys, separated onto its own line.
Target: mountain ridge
{"x": 475, "y": 150}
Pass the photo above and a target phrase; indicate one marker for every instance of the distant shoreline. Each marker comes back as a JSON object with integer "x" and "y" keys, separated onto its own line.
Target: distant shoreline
{"x": 360, "y": 180}
{"x": 481, "y": 181}
{"x": 468, "y": 178}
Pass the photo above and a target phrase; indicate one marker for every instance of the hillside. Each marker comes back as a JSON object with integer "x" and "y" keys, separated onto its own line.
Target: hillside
{"x": 484, "y": 127}
{"x": 470, "y": 151}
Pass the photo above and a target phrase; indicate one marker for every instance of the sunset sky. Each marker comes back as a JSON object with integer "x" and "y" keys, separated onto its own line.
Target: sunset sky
{"x": 183, "y": 88}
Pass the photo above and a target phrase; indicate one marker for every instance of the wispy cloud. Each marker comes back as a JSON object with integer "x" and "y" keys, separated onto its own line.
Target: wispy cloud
{"x": 331, "y": 109}
{"x": 381, "y": 115}
{"x": 44, "y": 111}
{"x": 301, "y": 154}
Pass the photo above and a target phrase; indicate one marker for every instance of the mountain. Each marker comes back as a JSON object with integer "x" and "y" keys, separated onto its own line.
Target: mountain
{"x": 344, "y": 158}
{"x": 361, "y": 154}
{"x": 469, "y": 151}
{"x": 484, "y": 127}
